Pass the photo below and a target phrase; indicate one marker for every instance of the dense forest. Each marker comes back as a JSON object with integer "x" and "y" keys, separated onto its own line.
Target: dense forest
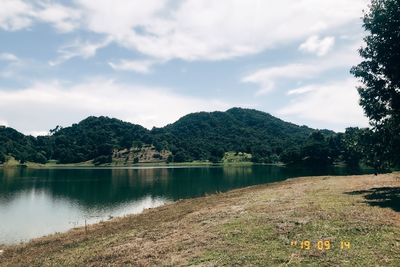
{"x": 198, "y": 136}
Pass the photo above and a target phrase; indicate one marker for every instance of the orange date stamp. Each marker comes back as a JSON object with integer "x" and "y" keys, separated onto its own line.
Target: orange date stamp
{"x": 322, "y": 245}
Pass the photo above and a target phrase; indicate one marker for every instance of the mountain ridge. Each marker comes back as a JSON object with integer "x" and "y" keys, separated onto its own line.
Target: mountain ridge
{"x": 195, "y": 136}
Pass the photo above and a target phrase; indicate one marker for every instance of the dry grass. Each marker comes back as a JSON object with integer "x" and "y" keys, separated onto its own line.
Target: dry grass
{"x": 247, "y": 227}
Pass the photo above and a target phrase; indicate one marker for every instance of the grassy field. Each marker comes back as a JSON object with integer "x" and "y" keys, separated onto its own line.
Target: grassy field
{"x": 230, "y": 158}
{"x": 256, "y": 226}
{"x": 12, "y": 163}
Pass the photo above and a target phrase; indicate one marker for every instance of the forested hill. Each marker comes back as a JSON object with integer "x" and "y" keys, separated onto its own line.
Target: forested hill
{"x": 95, "y": 137}
{"x": 197, "y": 136}
{"x": 16, "y": 144}
{"x": 91, "y": 138}
{"x": 206, "y": 135}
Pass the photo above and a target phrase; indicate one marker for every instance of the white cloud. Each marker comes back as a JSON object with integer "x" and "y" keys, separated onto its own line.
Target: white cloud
{"x": 8, "y": 57}
{"x": 140, "y": 66}
{"x": 12, "y": 64}
{"x": 44, "y": 105}
{"x": 269, "y": 78}
{"x": 19, "y": 14}
{"x": 212, "y": 30}
{"x": 333, "y": 103}
{"x": 38, "y": 133}
{"x": 64, "y": 19}
{"x": 301, "y": 90}
{"x": 318, "y": 46}
{"x": 192, "y": 29}
{"x": 3, "y": 123}
{"x": 118, "y": 18}
{"x": 78, "y": 48}
{"x": 15, "y": 15}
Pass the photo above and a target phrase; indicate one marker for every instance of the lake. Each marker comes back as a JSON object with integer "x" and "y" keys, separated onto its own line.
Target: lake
{"x": 37, "y": 202}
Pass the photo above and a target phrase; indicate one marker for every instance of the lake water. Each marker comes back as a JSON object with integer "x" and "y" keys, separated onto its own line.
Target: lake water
{"x": 37, "y": 202}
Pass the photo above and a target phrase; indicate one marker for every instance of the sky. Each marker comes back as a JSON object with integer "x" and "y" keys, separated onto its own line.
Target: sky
{"x": 151, "y": 62}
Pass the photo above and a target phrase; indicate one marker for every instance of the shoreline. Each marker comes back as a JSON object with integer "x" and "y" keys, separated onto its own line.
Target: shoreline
{"x": 238, "y": 227}
{"x": 140, "y": 165}
{"x": 193, "y": 164}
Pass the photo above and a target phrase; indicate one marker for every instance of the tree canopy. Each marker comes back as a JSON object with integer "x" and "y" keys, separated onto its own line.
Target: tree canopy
{"x": 379, "y": 73}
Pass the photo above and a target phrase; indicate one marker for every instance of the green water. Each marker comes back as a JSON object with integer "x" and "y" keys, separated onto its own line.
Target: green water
{"x": 37, "y": 202}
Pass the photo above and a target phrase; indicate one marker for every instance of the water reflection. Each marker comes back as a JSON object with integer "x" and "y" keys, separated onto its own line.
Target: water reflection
{"x": 35, "y": 202}
{"x": 35, "y": 213}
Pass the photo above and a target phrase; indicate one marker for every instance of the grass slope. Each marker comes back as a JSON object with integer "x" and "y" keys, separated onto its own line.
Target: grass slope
{"x": 247, "y": 227}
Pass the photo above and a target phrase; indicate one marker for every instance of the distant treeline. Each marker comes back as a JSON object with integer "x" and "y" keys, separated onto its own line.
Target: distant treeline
{"x": 197, "y": 136}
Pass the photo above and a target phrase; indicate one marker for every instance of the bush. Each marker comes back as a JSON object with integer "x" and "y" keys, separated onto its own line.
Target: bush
{"x": 170, "y": 159}
{"x": 181, "y": 156}
{"x": 291, "y": 156}
{"x": 214, "y": 159}
{"x": 40, "y": 158}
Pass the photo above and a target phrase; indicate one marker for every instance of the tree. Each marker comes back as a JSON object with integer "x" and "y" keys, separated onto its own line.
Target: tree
{"x": 2, "y": 158}
{"x": 170, "y": 159}
{"x": 40, "y": 158}
{"x": 55, "y": 130}
{"x": 316, "y": 150}
{"x": 102, "y": 160}
{"x": 181, "y": 156}
{"x": 291, "y": 156}
{"x": 379, "y": 73}
{"x": 352, "y": 149}
{"x": 261, "y": 154}
{"x": 216, "y": 154}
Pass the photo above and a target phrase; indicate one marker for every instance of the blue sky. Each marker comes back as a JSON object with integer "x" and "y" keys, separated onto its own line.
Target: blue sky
{"x": 151, "y": 62}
